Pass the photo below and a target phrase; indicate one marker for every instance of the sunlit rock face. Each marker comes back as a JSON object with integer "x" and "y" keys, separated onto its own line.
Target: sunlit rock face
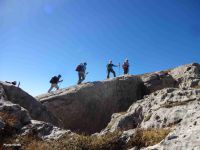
{"x": 163, "y": 99}
{"x": 35, "y": 108}
{"x": 88, "y": 107}
{"x": 16, "y": 120}
{"x": 176, "y": 108}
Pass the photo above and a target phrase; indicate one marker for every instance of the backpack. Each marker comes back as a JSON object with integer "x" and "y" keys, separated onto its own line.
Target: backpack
{"x": 53, "y": 80}
{"x": 125, "y": 66}
{"x": 79, "y": 68}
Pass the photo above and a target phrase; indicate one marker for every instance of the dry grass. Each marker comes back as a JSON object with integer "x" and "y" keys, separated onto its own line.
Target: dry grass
{"x": 10, "y": 120}
{"x": 8, "y": 130}
{"x": 148, "y": 137}
{"x": 197, "y": 87}
{"x": 111, "y": 141}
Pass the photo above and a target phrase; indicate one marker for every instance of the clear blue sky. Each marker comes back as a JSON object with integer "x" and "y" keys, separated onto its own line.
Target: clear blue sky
{"x": 43, "y": 38}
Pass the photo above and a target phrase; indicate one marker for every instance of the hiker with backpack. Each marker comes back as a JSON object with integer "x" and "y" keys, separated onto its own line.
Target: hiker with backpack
{"x": 110, "y": 66}
{"x": 125, "y": 67}
{"x": 81, "y": 68}
{"x": 54, "y": 82}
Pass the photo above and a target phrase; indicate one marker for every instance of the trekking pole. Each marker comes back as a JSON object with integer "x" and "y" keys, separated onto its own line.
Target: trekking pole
{"x": 60, "y": 83}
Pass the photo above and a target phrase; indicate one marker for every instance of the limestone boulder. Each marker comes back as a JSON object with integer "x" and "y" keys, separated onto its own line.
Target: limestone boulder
{"x": 184, "y": 76}
{"x": 12, "y": 114}
{"x": 158, "y": 81}
{"x": 187, "y": 75}
{"x": 43, "y": 130}
{"x": 88, "y": 107}
{"x": 35, "y": 108}
{"x": 15, "y": 115}
{"x": 173, "y": 108}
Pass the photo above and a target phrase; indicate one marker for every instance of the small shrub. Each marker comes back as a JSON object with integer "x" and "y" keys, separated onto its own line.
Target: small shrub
{"x": 148, "y": 137}
{"x": 110, "y": 141}
{"x": 146, "y": 118}
{"x": 8, "y": 130}
{"x": 197, "y": 87}
{"x": 10, "y": 120}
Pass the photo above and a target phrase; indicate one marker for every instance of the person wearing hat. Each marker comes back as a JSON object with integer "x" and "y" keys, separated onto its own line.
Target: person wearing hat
{"x": 54, "y": 82}
{"x": 125, "y": 66}
{"x": 110, "y": 66}
{"x": 81, "y": 69}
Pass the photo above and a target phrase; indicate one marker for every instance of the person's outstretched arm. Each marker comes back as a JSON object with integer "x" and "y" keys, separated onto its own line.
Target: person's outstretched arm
{"x": 60, "y": 81}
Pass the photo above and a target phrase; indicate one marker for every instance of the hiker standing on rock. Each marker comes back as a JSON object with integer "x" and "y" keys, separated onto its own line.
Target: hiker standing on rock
{"x": 110, "y": 66}
{"x": 81, "y": 72}
{"x": 126, "y": 66}
{"x": 54, "y": 82}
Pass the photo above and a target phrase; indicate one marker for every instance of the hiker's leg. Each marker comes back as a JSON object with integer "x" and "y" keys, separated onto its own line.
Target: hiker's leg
{"x": 83, "y": 76}
{"x": 108, "y": 74}
{"x": 113, "y": 72}
{"x": 50, "y": 88}
{"x": 125, "y": 71}
{"x": 79, "y": 77}
{"x": 56, "y": 86}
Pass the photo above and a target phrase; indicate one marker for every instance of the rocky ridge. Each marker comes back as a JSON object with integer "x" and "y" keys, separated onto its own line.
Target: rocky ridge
{"x": 177, "y": 108}
{"x": 160, "y": 100}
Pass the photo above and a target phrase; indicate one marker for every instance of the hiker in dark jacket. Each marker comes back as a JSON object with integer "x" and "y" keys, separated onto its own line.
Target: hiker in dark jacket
{"x": 110, "y": 66}
{"x": 126, "y": 67}
{"x": 54, "y": 82}
{"x": 81, "y": 69}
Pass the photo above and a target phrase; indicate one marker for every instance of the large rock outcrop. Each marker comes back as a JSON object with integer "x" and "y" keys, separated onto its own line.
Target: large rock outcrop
{"x": 15, "y": 119}
{"x": 161, "y": 100}
{"x": 158, "y": 110}
{"x": 36, "y": 110}
{"x": 89, "y": 106}
{"x": 187, "y": 75}
{"x": 12, "y": 114}
{"x": 176, "y": 108}
{"x": 184, "y": 76}
{"x": 157, "y": 81}
{"x": 80, "y": 106}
